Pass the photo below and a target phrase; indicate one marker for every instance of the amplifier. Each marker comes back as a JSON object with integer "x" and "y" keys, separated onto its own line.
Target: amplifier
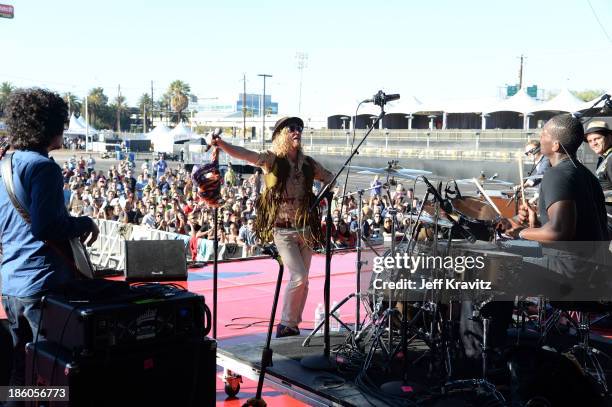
{"x": 150, "y": 313}
{"x": 155, "y": 260}
{"x": 179, "y": 373}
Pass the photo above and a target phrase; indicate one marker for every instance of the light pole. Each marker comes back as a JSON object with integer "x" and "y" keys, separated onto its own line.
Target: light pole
{"x": 302, "y": 60}
{"x": 263, "y": 116}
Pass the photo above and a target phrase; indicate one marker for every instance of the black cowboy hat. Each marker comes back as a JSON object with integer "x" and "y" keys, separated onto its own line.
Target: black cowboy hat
{"x": 284, "y": 122}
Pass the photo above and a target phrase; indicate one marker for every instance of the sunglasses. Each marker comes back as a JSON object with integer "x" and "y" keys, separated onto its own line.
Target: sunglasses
{"x": 295, "y": 127}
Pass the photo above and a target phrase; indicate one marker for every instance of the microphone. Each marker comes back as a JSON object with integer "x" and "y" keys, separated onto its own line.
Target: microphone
{"x": 469, "y": 236}
{"x": 210, "y": 137}
{"x": 533, "y": 151}
{"x": 380, "y": 99}
{"x": 607, "y": 107}
{"x": 433, "y": 190}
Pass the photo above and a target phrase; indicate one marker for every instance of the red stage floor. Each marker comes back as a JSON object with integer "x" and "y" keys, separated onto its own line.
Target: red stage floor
{"x": 245, "y": 296}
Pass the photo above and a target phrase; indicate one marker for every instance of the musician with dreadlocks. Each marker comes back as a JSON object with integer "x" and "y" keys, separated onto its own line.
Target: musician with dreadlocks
{"x": 283, "y": 209}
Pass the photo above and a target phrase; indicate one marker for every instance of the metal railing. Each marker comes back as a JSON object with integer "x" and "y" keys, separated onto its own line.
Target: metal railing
{"x": 109, "y": 250}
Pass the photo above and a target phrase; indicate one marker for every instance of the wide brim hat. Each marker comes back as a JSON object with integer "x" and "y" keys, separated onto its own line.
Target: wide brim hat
{"x": 597, "y": 126}
{"x": 284, "y": 122}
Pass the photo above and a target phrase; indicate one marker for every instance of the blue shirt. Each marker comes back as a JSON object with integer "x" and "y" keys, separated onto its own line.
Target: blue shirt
{"x": 160, "y": 167}
{"x": 29, "y": 265}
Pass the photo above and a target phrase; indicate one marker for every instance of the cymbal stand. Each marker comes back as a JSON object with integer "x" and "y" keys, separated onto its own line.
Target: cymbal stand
{"x": 590, "y": 363}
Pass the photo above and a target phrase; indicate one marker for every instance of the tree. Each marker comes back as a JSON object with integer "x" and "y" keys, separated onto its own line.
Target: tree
{"x": 98, "y": 108}
{"x": 119, "y": 106}
{"x": 5, "y": 91}
{"x": 178, "y": 93}
{"x": 588, "y": 94}
{"x": 74, "y": 103}
{"x": 145, "y": 105}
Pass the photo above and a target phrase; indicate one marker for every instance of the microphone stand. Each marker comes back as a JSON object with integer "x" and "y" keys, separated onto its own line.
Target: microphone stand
{"x": 324, "y": 362}
{"x": 267, "y": 353}
{"x": 215, "y": 270}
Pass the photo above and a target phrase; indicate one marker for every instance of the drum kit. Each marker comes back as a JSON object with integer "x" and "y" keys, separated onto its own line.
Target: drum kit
{"x": 436, "y": 319}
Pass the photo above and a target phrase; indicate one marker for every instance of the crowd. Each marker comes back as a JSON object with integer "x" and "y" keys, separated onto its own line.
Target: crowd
{"x": 164, "y": 198}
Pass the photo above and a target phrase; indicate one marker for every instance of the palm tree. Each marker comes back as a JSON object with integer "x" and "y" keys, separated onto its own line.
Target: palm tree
{"x": 145, "y": 105}
{"x": 74, "y": 104}
{"x": 179, "y": 93}
{"x": 119, "y": 105}
{"x": 97, "y": 101}
{"x": 5, "y": 91}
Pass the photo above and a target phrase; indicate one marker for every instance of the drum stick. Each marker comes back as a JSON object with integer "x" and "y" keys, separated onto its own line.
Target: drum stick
{"x": 520, "y": 164}
{"x": 482, "y": 191}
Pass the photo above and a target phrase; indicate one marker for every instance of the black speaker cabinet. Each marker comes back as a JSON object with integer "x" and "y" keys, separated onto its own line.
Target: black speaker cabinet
{"x": 178, "y": 374}
{"x": 155, "y": 260}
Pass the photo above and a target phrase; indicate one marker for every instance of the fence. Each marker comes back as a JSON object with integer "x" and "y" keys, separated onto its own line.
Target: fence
{"x": 109, "y": 250}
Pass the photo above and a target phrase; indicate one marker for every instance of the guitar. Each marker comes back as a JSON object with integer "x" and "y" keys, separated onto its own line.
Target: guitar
{"x": 78, "y": 259}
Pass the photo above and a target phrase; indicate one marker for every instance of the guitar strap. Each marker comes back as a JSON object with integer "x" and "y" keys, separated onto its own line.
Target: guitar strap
{"x": 6, "y": 170}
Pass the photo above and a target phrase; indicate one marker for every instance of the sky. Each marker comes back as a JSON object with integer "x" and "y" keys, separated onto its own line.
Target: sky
{"x": 433, "y": 50}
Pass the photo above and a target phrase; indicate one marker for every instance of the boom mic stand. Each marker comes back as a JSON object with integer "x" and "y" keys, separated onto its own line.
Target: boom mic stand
{"x": 324, "y": 362}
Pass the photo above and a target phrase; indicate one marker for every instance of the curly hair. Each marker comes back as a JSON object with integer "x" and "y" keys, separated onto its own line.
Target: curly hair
{"x": 281, "y": 145}
{"x": 34, "y": 117}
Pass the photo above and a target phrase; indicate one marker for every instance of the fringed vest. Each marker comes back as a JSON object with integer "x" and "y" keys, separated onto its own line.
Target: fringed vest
{"x": 269, "y": 201}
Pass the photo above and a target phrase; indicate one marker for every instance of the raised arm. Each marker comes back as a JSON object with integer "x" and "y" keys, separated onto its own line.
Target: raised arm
{"x": 236, "y": 151}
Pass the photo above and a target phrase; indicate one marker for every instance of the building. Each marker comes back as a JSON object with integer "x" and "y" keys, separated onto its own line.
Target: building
{"x": 252, "y": 102}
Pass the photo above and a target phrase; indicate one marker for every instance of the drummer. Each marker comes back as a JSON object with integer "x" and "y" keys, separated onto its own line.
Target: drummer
{"x": 599, "y": 137}
{"x": 571, "y": 204}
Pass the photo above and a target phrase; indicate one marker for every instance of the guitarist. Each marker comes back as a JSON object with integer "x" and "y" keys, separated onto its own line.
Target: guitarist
{"x": 33, "y": 262}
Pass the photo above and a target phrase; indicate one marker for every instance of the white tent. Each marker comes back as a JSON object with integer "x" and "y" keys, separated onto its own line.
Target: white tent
{"x": 406, "y": 105}
{"x": 470, "y": 105}
{"x": 520, "y": 103}
{"x": 181, "y": 133}
{"x": 161, "y": 139}
{"x": 77, "y": 126}
{"x": 565, "y": 101}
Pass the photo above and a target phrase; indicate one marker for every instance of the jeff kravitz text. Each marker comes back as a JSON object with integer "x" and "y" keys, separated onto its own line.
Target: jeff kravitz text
{"x": 456, "y": 264}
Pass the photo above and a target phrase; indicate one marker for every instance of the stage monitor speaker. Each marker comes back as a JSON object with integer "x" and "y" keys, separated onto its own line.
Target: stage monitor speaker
{"x": 155, "y": 260}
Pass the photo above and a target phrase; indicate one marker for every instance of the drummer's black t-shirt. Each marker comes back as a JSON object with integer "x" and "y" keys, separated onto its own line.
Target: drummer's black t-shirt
{"x": 564, "y": 182}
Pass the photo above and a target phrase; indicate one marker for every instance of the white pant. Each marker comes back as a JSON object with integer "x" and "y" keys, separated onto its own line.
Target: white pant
{"x": 296, "y": 256}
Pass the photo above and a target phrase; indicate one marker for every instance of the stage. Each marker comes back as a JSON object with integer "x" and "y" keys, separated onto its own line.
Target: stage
{"x": 244, "y": 300}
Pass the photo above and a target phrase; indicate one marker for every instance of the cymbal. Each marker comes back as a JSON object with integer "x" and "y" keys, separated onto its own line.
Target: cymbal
{"x": 394, "y": 170}
{"x": 428, "y": 219}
